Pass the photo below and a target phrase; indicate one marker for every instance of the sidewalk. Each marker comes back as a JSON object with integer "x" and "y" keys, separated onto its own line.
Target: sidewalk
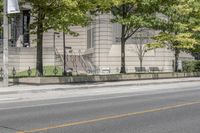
{"x": 21, "y": 93}
{"x": 34, "y": 88}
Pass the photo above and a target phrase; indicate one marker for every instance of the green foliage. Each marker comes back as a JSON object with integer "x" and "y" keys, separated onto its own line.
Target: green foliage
{"x": 182, "y": 25}
{"x": 153, "y": 45}
{"x": 136, "y": 14}
{"x": 133, "y": 15}
{"x": 60, "y": 15}
{"x": 1, "y": 14}
{"x": 1, "y": 6}
{"x": 191, "y": 66}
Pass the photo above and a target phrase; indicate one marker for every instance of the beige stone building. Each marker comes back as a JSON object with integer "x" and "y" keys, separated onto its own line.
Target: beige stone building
{"x": 95, "y": 50}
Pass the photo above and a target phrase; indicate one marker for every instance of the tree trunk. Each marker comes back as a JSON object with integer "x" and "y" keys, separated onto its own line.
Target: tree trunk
{"x": 177, "y": 52}
{"x": 39, "y": 65}
{"x": 140, "y": 54}
{"x": 123, "y": 54}
{"x": 141, "y": 64}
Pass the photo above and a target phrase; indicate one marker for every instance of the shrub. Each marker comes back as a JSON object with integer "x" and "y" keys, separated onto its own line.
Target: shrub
{"x": 191, "y": 66}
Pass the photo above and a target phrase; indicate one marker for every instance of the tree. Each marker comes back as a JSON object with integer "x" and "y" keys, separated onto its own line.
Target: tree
{"x": 194, "y": 23}
{"x": 179, "y": 31}
{"x": 1, "y": 15}
{"x": 141, "y": 48}
{"x": 133, "y": 15}
{"x": 1, "y": 5}
{"x": 58, "y": 15}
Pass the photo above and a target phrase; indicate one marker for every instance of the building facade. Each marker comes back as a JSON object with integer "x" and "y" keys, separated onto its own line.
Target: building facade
{"x": 97, "y": 48}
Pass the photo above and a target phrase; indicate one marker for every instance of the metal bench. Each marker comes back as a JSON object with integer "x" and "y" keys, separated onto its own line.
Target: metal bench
{"x": 106, "y": 70}
{"x": 154, "y": 69}
{"x": 140, "y": 69}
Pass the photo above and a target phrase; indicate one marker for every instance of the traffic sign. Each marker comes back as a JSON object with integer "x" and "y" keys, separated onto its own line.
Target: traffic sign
{"x": 12, "y": 6}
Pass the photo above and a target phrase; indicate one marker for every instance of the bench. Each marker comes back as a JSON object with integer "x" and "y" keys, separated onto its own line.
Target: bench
{"x": 154, "y": 69}
{"x": 140, "y": 69}
{"x": 106, "y": 70}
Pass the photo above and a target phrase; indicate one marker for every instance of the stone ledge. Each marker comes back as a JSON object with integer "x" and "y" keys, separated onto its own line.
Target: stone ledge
{"x": 100, "y": 78}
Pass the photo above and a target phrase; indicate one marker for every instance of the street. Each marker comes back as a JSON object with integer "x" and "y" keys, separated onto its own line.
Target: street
{"x": 93, "y": 66}
{"x": 173, "y": 109}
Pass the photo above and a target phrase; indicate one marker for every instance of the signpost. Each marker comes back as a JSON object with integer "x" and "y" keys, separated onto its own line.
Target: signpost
{"x": 10, "y": 6}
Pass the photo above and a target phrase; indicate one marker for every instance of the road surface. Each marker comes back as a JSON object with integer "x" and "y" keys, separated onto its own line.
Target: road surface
{"x": 173, "y": 110}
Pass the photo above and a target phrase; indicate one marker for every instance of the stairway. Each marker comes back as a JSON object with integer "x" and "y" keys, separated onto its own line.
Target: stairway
{"x": 75, "y": 62}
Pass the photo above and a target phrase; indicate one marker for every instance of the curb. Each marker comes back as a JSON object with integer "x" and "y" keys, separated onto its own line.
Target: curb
{"x": 94, "y": 86}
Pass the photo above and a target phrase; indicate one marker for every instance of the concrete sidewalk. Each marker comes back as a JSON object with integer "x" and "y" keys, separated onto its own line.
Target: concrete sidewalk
{"x": 70, "y": 91}
{"x": 34, "y": 88}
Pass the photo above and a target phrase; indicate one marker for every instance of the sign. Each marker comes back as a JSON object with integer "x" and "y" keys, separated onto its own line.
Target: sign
{"x": 12, "y": 6}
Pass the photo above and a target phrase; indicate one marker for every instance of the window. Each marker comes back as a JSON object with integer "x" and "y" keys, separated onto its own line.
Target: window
{"x": 26, "y": 30}
{"x": 90, "y": 37}
{"x": 13, "y": 31}
{"x": 116, "y": 33}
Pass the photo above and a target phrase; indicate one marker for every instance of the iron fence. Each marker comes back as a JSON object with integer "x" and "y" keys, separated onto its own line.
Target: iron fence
{"x": 31, "y": 72}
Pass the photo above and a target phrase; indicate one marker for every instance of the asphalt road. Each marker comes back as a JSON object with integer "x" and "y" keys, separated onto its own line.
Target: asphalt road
{"x": 174, "y": 111}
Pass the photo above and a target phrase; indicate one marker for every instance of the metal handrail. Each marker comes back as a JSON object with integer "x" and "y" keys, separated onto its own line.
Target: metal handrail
{"x": 74, "y": 60}
{"x": 91, "y": 66}
{"x": 57, "y": 53}
{"x": 87, "y": 64}
{"x": 83, "y": 63}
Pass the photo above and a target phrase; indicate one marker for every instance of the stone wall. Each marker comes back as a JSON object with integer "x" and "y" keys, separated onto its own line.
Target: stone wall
{"x": 75, "y": 42}
{"x": 100, "y": 78}
{"x": 22, "y": 58}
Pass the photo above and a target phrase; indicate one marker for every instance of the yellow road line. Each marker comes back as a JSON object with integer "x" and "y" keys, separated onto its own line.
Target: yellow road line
{"x": 110, "y": 117}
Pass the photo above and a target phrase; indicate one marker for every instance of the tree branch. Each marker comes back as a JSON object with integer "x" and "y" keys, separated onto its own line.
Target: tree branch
{"x": 132, "y": 33}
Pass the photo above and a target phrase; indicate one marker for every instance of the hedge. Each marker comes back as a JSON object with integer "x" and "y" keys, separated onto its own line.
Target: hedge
{"x": 191, "y": 66}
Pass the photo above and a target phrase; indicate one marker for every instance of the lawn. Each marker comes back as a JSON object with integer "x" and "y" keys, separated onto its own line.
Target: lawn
{"x": 48, "y": 71}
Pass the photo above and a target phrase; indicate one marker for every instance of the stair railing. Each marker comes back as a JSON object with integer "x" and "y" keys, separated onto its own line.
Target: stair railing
{"x": 60, "y": 56}
{"x": 89, "y": 67}
{"x": 74, "y": 61}
{"x": 82, "y": 61}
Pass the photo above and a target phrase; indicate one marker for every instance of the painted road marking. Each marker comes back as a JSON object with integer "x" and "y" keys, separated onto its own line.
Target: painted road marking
{"x": 110, "y": 117}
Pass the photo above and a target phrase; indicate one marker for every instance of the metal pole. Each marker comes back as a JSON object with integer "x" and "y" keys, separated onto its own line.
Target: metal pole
{"x": 5, "y": 45}
{"x": 64, "y": 52}
{"x": 54, "y": 47}
{"x": 54, "y": 40}
{"x": 99, "y": 45}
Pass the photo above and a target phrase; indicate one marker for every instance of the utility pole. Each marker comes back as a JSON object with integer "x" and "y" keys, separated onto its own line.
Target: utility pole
{"x": 5, "y": 45}
{"x": 9, "y": 7}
